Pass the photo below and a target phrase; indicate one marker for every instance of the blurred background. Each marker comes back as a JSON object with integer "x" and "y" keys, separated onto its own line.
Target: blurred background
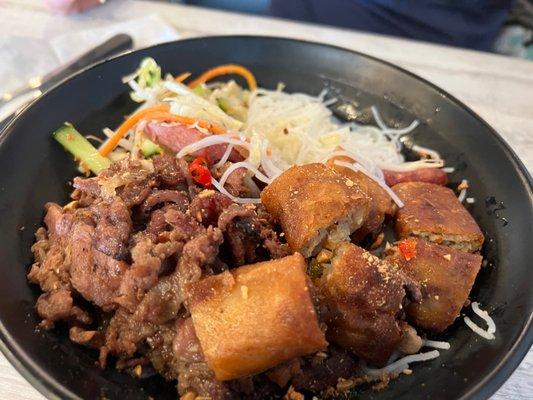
{"x": 38, "y": 37}
{"x": 501, "y": 26}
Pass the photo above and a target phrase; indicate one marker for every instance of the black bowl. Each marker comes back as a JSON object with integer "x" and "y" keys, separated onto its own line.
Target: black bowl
{"x": 35, "y": 169}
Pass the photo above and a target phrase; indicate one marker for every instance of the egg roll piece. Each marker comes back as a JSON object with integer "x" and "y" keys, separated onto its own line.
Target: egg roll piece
{"x": 380, "y": 206}
{"x": 254, "y": 317}
{"x": 445, "y": 275}
{"x": 315, "y": 206}
{"x": 432, "y": 212}
{"x": 362, "y": 298}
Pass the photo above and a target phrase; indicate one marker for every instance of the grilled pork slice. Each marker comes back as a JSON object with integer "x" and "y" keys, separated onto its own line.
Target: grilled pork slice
{"x": 445, "y": 276}
{"x": 254, "y": 317}
{"x": 361, "y": 298}
{"x": 433, "y": 212}
{"x": 315, "y": 206}
{"x": 381, "y": 204}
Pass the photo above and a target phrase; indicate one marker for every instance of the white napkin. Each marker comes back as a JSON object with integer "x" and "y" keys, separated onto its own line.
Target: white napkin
{"x": 23, "y": 58}
{"x": 145, "y": 31}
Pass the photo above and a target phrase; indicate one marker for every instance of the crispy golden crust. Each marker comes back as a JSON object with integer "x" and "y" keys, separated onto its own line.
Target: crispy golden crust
{"x": 381, "y": 204}
{"x": 363, "y": 296}
{"x": 255, "y": 317}
{"x": 445, "y": 276}
{"x": 434, "y": 213}
{"x": 314, "y": 203}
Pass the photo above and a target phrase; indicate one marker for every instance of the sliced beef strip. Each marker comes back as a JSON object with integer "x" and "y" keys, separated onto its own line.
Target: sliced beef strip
{"x": 95, "y": 275}
{"x": 167, "y": 171}
{"x": 142, "y": 275}
{"x": 51, "y": 269}
{"x": 164, "y": 238}
{"x": 241, "y": 233}
{"x": 208, "y": 205}
{"x": 164, "y": 197}
{"x": 238, "y": 183}
{"x": 90, "y": 338}
{"x": 51, "y": 272}
{"x": 59, "y": 305}
{"x": 123, "y": 336}
{"x": 319, "y": 373}
{"x": 247, "y": 235}
{"x": 127, "y": 179}
{"x": 164, "y": 300}
{"x": 113, "y": 228}
{"x": 192, "y": 372}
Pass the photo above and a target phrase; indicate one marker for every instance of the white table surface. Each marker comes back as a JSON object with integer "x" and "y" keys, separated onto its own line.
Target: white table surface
{"x": 499, "y": 89}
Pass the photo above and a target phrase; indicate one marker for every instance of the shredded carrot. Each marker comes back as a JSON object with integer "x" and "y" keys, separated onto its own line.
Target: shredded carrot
{"x": 160, "y": 113}
{"x": 181, "y": 77}
{"x": 226, "y": 69}
{"x": 112, "y": 142}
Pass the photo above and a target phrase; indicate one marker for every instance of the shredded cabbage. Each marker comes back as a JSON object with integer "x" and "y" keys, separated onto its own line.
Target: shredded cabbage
{"x": 147, "y": 76}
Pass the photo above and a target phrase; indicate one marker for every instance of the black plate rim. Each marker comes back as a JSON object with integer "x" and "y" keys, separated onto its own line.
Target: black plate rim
{"x": 483, "y": 390}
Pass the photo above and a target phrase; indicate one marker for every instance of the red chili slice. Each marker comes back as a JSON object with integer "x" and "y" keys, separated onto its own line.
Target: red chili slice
{"x": 407, "y": 249}
{"x": 199, "y": 170}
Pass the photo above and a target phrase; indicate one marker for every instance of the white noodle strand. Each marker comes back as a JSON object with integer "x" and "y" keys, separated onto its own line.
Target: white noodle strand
{"x": 243, "y": 164}
{"x": 491, "y": 329}
{"x": 208, "y": 142}
{"x": 240, "y": 200}
{"x": 401, "y": 364}
{"x": 436, "y": 344}
{"x": 225, "y": 157}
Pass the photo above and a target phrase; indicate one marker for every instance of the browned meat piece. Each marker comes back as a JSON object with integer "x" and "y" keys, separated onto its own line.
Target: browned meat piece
{"x": 255, "y": 317}
{"x": 151, "y": 250}
{"x": 91, "y": 338}
{"x": 50, "y": 270}
{"x": 272, "y": 243}
{"x": 247, "y": 235}
{"x": 238, "y": 183}
{"x": 58, "y": 305}
{"x": 428, "y": 175}
{"x": 433, "y": 212}
{"x": 282, "y": 374}
{"x": 56, "y": 220}
{"x": 127, "y": 179}
{"x": 142, "y": 275}
{"x": 324, "y": 370}
{"x": 445, "y": 275}
{"x": 315, "y": 206}
{"x": 381, "y": 204}
{"x": 185, "y": 345}
{"x": 194, "y": 374}
{"x": 241, "y": 232}
{"x": 164, "y": 300}
{"x": 113, "y": 228}
{"x": 51, "y": 267}
{"x": 123, "y": 335}
{"x": 167, "y": 170}
{"x": 164, "y": 197}
{"x": 363, "y": 296}
{"x": 411, "y": 342}
{"x": 208, "y": 205}
{"x": 95, "y": 275}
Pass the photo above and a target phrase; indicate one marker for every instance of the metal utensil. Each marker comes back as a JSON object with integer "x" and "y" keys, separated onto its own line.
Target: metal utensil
{"x": 38, "y": 85}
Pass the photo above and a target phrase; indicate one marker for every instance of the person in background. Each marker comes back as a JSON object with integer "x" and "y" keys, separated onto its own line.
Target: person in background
{"x": 473, "y": 24}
